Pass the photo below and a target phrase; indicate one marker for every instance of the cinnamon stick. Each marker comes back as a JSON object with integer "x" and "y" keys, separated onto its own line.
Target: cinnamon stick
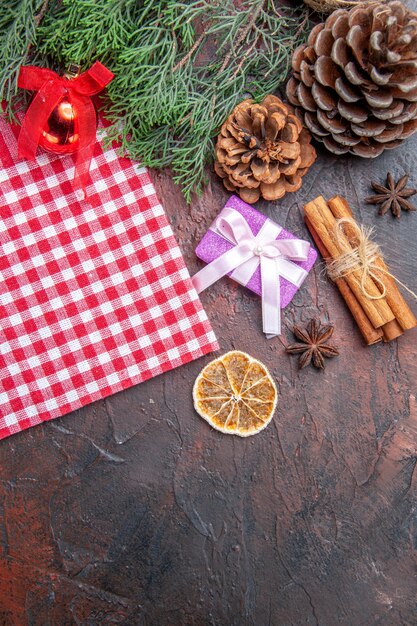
{"x": 323, "y": 222}
{"x": 403, "y": 314}
{"x": 392, "y": 330}
{"x": 370, "y": 334}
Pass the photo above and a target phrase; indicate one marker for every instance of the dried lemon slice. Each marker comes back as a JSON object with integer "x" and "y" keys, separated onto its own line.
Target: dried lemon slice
{"x": 235, "y": 394}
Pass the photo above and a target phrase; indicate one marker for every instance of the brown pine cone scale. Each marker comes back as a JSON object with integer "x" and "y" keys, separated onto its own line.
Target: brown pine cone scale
{"x": 354, "y": 82}
{"x": 263, "y": 150}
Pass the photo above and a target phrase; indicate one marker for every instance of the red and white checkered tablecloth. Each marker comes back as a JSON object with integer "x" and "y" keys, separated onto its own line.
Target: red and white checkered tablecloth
{"x": 94, "y": 295}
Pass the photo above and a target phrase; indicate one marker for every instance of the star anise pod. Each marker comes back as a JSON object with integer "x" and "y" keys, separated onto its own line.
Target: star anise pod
{"x": 312, "y": 345}
{"x": 393, "y": 196}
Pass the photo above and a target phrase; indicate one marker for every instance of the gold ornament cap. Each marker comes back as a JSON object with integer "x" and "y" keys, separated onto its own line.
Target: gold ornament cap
{"x": 73, "y": 71}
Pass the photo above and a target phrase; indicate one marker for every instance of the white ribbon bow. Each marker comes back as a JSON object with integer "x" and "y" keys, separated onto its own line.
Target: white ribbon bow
{"x": 274, "y": 256}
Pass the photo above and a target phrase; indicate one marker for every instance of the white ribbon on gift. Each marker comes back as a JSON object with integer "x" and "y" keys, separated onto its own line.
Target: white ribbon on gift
{"x": 274, "y": 256}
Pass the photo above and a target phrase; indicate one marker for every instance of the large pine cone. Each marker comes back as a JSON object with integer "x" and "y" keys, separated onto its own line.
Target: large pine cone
{"x": 355, "y": 81}
{"x": 263, "y": 150}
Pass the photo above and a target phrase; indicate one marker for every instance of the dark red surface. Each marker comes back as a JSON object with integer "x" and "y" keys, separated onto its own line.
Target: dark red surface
{"x": 132, "y": 511}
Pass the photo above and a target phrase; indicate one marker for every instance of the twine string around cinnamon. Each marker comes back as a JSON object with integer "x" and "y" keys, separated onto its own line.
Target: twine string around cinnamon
{"x": 361, "y": 257}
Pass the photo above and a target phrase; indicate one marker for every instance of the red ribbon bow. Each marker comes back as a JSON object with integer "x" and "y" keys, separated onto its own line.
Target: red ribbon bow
{"x": 51, "y": 89}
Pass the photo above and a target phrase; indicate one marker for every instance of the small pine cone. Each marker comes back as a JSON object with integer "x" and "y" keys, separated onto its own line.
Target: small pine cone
{"x": 263, "y": 150}
{"x": 355, "y": 81}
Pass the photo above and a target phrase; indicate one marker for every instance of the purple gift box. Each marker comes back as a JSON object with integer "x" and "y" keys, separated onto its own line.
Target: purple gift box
{"x": 214, "y": 245}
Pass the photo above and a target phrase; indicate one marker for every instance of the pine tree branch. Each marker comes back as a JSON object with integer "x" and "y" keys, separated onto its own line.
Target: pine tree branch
{"x": 17, "y": 32}
{"x": 40, "y": 15}
{"x": 180, "y": 66}
{"x": 189, "y": 54}
{"x": 242, "y": 34}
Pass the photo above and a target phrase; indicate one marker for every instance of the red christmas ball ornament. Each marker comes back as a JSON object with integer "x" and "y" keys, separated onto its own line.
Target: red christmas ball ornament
{"x": 61, "y": 117}
{"x": 59, "y": 134}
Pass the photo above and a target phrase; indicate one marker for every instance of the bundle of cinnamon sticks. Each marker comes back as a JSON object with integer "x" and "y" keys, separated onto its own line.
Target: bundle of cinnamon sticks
{"x": 378, "y": 318}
